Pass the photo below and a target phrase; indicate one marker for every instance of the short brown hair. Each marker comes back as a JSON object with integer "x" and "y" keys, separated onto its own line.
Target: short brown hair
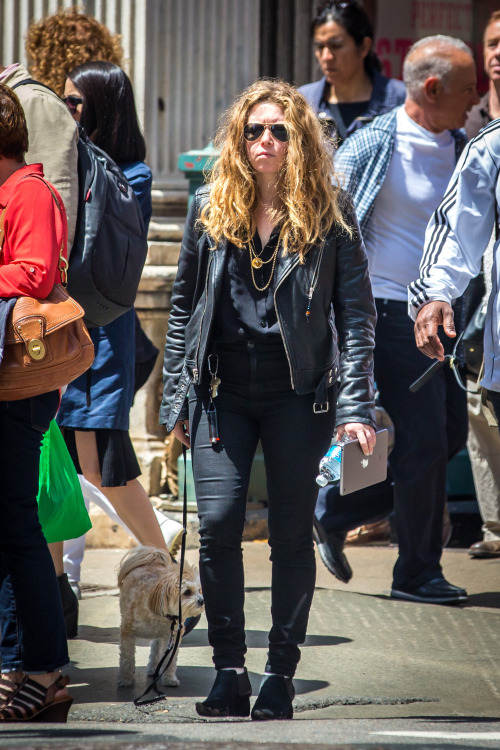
{"x": 495, "y": 16}
{"x": 13, "y": 130}
{"x": 56, "y": 44}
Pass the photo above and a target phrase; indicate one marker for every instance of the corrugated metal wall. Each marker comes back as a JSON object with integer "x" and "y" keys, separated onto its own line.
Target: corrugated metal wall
{"x": 200, "y": 54}
{"x": 187, "y": 60}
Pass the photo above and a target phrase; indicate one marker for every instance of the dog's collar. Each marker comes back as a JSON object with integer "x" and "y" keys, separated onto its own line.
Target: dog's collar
{"x": 173, "y": 618}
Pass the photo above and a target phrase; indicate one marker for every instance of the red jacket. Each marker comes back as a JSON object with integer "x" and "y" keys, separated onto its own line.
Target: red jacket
{"x": 35, "y": 231}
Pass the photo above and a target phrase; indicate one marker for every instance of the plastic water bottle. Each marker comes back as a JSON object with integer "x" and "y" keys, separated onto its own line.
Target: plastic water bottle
{"x": 329, "y": 466}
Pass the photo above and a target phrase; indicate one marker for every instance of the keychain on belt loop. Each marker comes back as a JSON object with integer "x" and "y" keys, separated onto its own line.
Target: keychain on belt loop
{"x": 215, "y": 381}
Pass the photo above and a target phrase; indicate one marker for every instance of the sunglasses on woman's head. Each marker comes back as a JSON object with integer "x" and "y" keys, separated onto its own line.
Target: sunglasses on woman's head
{"x": 341, "y": 4}
{"x": 72, "y": 103}
{"x": 254, "y": 130}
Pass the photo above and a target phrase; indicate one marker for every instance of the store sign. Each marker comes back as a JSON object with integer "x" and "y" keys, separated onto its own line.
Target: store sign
{"x": 401, "y": 22}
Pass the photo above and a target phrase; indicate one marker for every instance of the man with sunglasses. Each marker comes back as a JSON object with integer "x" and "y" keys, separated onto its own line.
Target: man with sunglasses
{"x": 53, "y": 136}
{"x": 397, "y": 169}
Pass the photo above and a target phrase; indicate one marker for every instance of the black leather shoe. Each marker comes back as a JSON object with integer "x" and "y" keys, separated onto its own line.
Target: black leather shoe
{"x": 331, "y": 550}
{"x": 275, "y": 699}
{"x": 437, "y": 591}
{"x": 229, "y": 696}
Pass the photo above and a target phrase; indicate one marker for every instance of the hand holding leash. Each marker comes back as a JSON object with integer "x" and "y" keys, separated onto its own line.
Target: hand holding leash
{"x": 429, "y": 318}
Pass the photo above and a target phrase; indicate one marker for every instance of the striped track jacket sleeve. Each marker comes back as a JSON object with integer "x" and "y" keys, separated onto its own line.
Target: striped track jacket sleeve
{"x": 460, "y": 228}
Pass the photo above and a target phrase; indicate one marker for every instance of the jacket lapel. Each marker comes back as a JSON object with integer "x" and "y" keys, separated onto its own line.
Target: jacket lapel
{"x": 285, "y": 264}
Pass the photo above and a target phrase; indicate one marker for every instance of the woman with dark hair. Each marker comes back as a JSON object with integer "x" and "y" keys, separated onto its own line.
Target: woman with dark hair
{"x": 100, "y": 97}
{"x": 272, "y": 305}
{"x": 352, "y": 91}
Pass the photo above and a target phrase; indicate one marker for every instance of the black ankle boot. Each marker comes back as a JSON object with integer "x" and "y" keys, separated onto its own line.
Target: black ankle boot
{"x": 70, "y": 606}
{"x": 229, "y": 696}
{"x": 275, "y": 699}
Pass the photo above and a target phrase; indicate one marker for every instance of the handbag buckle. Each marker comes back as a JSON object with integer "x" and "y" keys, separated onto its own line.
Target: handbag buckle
{"x": 36, "y": 349}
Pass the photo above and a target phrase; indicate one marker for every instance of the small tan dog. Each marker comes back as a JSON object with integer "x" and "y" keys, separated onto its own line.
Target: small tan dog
{"x": 148, "y": 579}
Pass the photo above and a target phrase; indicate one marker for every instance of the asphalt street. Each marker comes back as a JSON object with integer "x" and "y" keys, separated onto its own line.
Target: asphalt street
{"x": 375, "y": 673}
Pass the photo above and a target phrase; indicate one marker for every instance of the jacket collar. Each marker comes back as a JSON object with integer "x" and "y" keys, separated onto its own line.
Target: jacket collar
{"x": 388, "y": 123}
{"x": 377, "y": 98}
{"x": 9, "y": 185}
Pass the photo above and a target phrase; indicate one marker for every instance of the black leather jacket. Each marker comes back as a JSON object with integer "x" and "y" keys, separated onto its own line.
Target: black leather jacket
{"x": 334, "y": 278}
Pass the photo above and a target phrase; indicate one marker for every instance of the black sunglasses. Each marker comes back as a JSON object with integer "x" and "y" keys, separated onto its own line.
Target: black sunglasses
{"x": 254, "y": 130}
{"x": 72, "y": 103}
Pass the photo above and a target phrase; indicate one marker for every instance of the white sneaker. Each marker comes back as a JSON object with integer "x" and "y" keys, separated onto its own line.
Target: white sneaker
{"x": 172, "y": 532}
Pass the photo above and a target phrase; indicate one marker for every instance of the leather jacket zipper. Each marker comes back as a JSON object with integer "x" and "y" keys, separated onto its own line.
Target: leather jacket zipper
{"x": 287, "y": 352}
{"x": 195, "y": 368}
{"x": 314, "y": 282}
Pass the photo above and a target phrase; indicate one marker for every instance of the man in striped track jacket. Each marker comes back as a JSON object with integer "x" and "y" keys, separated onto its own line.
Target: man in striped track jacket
{"x": 456, "y": 238}
{"x": 397, "y": 170}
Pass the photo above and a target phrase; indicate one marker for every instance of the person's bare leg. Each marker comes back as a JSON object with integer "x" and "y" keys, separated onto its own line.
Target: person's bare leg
{"x": 56, "y": 552}
{"x": 131, "y": 501}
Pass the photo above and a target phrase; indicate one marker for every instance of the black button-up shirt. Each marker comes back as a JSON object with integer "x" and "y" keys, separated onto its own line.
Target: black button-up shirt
{"x": 243, "y": 311}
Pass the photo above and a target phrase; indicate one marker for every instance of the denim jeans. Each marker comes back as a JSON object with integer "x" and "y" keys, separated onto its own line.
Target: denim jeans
{"x": 256, "y": 402}
{"x": 32, "y": 623}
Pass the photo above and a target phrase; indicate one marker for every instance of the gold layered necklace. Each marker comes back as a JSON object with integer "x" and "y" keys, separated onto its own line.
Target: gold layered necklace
{"x": 257, "y": 262}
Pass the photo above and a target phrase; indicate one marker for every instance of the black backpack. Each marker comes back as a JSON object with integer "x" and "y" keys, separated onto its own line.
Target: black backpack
{"x": 110, "y": 247}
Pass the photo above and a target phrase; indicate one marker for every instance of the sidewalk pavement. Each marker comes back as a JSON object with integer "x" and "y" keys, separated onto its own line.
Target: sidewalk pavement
{"x": 366, "y": 657}
{"x": 362, "y": 647}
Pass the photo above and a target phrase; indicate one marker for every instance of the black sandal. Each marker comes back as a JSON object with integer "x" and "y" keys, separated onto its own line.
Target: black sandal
{"x": 33, "y": 702}
{"x": 229, "y": 696}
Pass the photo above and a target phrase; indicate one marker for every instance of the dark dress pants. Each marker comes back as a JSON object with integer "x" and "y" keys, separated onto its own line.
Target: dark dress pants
{"x": 430, "y": 427}
{"x": 256, "y": 402}
{"x": 34, "y": 636}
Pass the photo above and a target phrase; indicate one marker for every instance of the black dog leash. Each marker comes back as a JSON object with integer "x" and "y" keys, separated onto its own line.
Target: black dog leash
{"x": 174, "y": 640}
{"x": 450, "y": 359}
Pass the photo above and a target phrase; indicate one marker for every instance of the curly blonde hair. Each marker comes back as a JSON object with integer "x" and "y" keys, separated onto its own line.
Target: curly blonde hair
{"x": 56, "y": 44}
{"x": 307, "y": 186}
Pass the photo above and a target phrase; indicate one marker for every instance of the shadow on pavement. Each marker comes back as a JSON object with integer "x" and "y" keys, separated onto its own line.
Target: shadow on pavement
{"x": 62, "y": 732}
{"x": 489, "y": 599}
{"x": 98, "y": 685}
{"x": 198, "y": 638}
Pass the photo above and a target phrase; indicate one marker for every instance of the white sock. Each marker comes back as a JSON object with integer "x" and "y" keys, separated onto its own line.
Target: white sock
{"x": 238, "y": 670}
{"x": 273, "y": 674}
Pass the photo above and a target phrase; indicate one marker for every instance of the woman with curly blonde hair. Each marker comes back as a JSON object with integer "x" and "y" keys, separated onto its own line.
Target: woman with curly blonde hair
{"x": 270, "y": 338}
{"x": 56, "y": 44}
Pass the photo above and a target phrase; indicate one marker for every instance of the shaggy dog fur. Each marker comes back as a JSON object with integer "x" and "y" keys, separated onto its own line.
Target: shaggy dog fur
{"x": 148, "y": 579}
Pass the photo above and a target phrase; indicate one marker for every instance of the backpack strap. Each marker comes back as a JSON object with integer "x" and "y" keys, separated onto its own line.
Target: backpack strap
{"x": 2, "y": 230}
{"x": 32, "y": 80}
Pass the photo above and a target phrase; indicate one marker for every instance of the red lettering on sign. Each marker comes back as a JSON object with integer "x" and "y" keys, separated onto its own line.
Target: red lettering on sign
{"x": 443, "y": 17}
{"x": 383, "y": 49}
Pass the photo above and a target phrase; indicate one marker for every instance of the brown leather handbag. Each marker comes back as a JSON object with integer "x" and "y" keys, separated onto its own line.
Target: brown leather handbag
{"x": 47, "y": 344}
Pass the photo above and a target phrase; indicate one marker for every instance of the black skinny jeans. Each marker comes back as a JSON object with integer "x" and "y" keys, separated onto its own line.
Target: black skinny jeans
{"x": 256, "y": 402}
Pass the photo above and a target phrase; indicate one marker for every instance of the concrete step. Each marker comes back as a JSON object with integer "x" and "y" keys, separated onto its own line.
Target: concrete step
{"x": 163, "y": 253}
{"x": 169, "y": 202}
{"x": 166, "y": 229}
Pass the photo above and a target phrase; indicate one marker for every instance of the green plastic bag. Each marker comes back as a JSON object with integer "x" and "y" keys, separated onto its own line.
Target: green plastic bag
{"x": 61, "y": 508}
